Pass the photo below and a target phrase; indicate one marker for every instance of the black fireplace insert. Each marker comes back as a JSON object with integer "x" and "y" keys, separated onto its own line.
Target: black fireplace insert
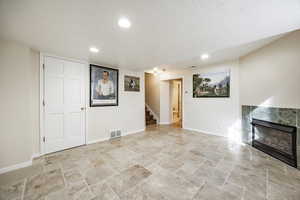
{"x": 277, "y": 140}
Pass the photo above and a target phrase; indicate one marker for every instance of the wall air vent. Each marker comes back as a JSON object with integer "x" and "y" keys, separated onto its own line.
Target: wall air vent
{"x": 115, "y": 134}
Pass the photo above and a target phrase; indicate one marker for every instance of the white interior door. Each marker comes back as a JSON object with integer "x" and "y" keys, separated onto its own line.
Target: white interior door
{"x": 64, "y": 104}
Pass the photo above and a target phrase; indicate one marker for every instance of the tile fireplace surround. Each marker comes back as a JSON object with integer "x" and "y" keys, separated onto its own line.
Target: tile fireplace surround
{"x": 284, "y": 116}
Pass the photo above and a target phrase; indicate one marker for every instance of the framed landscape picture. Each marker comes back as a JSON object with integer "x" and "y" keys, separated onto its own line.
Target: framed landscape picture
{"x": 211, "y": 84}
{"x": 103, "y": 86}
{"x": 131, "y": 83}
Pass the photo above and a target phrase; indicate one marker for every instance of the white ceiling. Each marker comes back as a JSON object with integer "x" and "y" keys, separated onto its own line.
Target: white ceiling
{"x": 163, "y": 32}
{"x": 230, "y": 53}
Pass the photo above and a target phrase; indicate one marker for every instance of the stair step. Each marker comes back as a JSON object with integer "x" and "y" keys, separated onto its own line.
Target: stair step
{"x": 150, "y": 120}
{"x": 149, "y": 115}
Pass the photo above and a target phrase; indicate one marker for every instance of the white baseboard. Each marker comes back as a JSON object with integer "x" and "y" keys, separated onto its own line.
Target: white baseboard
{"x": 98, "y": 140}
{"x": 203, "y": 131}
{"x": 36, "y": 155}
{"x": 164, "y": 123}
{"x": 20, "y": 165}
{"x": 107, "y": 138}
{"x": 14, "y": 167}
{"x": 133, "y": 132}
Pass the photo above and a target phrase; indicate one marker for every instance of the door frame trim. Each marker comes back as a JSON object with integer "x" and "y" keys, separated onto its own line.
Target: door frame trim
{"x": 41, "y": 90}
{"x": 184, "y": 92}
{"x": 181, "y": 79}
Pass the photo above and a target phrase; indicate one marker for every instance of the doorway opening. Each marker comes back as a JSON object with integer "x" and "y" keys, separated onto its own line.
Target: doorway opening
{"x": 163, "y": 101}
{"x": 152, "y": 99}
{"x": 176, "y": 102}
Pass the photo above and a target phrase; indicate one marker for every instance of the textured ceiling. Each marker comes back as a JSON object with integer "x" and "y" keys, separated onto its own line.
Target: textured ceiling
{"x": 227, "y": 54}
{"x": 163, "y": 32}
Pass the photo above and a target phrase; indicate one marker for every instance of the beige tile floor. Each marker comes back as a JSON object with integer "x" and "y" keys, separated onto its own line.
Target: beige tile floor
{"x": 163, "y": 162}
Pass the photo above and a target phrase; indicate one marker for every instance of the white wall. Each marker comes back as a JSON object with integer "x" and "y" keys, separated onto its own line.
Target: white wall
{"x": 35, "y": 100}
{"x": 271, "y": 75}
{"x": 19, "y": 105}
{"x": 129, "y": 116}
{"x": 19, "y": 88}
{"x": 218, "y": 116}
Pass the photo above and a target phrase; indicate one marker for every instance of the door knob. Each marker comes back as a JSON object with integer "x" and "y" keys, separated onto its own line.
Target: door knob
{"x": 82, "y": 108}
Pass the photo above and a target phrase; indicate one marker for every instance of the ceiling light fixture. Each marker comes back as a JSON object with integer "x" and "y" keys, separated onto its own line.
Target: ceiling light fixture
{"x": 156, "y": 71}
{"x": 124, "y": 22}
{"x": 204, "y": 56}
{"x": 94, "y": 50}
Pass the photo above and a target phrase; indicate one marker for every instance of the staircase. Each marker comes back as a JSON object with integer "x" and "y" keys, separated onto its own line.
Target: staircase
{"x": 149, "y": 117}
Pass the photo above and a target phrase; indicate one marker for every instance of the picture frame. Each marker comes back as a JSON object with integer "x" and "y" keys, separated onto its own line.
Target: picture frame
{"x": 211, "y": 85}
{"x": 131, "y": 83}
{"x": 104, "y": 86}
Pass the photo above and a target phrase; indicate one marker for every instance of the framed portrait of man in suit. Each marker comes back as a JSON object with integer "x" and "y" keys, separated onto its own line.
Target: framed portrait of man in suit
{"x": 103, "y": 86}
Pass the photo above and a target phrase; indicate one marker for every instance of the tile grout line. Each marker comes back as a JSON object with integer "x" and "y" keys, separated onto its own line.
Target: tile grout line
{"x": 81, "y": 169}
{"x": 98, "y": 183}
{"x": 199, "y": 189}
{"x": 67, "y": 184}
{"x": 84, "y": 180}
{"x": 63, "y": 175}
{"x": 244, "y": 193}
{"x": 227, "y": 177}
{"x": 188, "y": 181}
{"x": 89, "y": 188}
{"x": 24, "y": 187}
{"x": 267, "y": 184}
{"x": 114, "y": 192}
{"x": 285, "y": 169}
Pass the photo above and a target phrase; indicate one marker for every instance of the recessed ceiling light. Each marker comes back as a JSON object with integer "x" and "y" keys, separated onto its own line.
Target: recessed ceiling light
{"x": 124, "y": 22}
{"x": 204, "y": 56}
{"x": 94, "y": 50}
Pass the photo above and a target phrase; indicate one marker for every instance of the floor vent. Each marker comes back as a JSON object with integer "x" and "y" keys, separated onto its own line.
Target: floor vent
{"x": 115, "y": 134}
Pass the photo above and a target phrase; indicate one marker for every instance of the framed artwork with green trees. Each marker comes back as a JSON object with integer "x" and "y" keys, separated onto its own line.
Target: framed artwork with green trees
{"x": 215, "y": 84}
